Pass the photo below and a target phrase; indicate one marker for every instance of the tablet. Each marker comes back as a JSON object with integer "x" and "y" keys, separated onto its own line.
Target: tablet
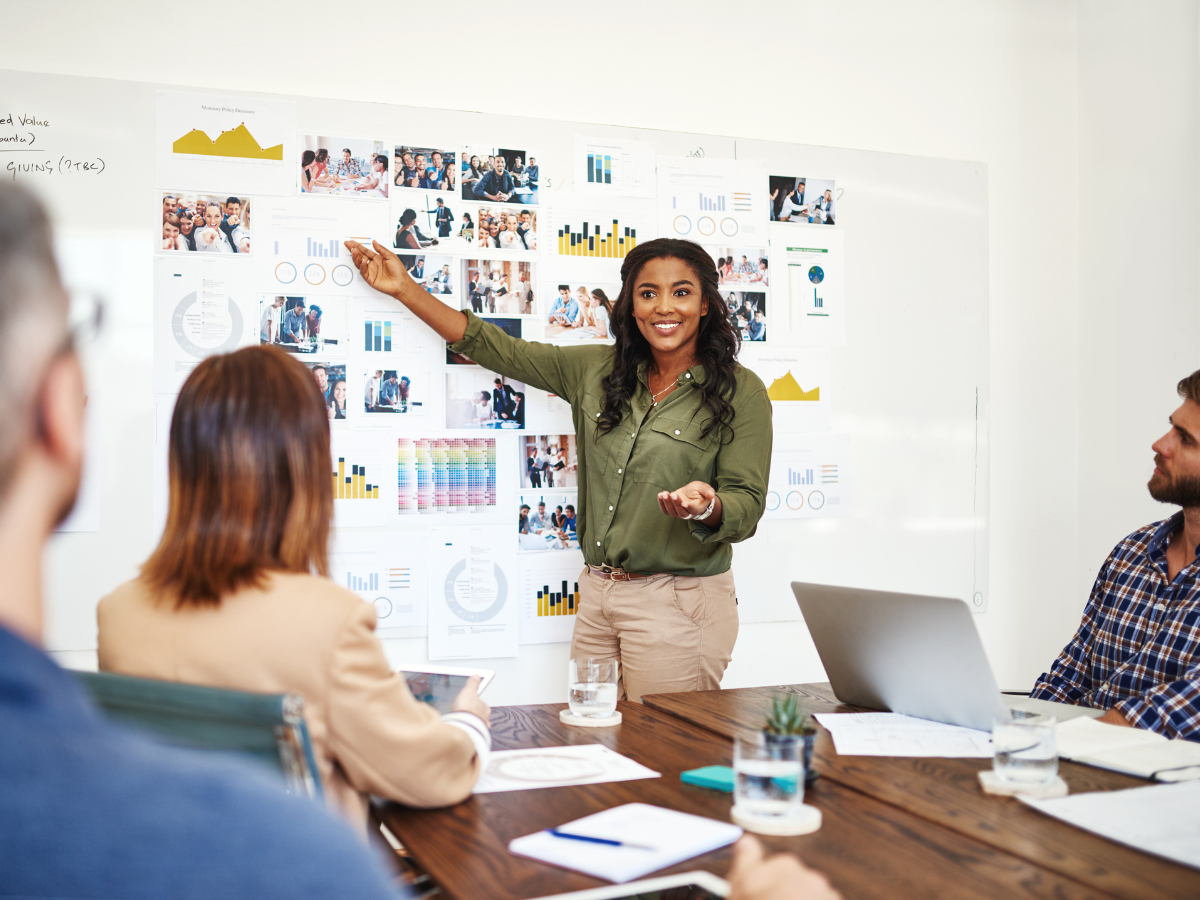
{"x": 684, "y": 886}
{"x": 439, "y": 685}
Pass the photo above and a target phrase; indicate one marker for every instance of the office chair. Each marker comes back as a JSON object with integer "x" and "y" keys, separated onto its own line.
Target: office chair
{"x": 266, "y": 728}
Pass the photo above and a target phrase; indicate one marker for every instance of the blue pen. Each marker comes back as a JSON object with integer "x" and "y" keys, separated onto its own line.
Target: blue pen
{"x": 609, "y": 842}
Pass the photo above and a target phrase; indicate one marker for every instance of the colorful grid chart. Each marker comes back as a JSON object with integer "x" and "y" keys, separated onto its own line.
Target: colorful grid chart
{"x": 446, "y": 475}
{"x": 353, "y": 485}
{"x": 558, "y": 603}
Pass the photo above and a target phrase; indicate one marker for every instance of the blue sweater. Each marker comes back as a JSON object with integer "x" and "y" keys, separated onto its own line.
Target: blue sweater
{"x": 91, "y": 810}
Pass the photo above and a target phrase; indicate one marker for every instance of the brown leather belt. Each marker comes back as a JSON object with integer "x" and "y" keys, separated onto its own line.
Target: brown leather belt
{"x": 613, "y": 573}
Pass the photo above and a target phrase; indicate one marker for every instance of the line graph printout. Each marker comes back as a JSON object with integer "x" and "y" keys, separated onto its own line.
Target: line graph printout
{"x": 798, "y": 383}
{"x": 712, "y": 201}
{"x": 387, "y": 569}
{"x": 893, "y": 734}
{"x": 235, "y": 143}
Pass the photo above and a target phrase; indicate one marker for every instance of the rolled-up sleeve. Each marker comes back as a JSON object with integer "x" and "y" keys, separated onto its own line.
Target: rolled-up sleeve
{"x": 544, "y": 366}
{"x": 743, "y": 467}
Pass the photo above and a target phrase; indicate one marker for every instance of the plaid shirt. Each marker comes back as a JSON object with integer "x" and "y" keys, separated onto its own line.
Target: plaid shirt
{"x": 1138, "y": 647}
{"x": 345, "y": 169}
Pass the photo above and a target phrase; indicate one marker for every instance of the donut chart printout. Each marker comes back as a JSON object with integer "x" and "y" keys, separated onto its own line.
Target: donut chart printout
{"x": 810, "y": 477}
{"x": 472, "y": 593}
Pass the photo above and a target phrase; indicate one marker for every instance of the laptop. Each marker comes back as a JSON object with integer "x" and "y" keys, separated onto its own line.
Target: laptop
{"x": 906, "y": 653}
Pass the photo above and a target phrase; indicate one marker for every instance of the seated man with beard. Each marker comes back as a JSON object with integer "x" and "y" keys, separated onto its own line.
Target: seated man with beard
{"x": 1137, "y": 651}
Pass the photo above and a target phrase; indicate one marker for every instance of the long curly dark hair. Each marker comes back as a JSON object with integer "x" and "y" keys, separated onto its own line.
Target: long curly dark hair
{"x": 717, "y": 343}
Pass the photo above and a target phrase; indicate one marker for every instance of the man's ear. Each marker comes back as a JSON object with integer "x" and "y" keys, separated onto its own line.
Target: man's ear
{"x": 61, "y": 403}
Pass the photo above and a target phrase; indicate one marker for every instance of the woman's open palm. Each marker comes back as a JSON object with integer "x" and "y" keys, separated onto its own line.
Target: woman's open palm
{"x": 380, "y": 268}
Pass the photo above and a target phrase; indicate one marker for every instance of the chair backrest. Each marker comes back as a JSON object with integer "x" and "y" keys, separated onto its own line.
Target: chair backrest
{"x": 266, "y": 728}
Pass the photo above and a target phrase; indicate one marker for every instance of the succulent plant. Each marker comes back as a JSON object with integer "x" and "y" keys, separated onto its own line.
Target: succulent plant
{"x": 787, "y": 717}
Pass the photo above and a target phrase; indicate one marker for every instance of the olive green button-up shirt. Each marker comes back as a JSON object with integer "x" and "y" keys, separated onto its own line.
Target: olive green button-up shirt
{"x": 652, "y": 449}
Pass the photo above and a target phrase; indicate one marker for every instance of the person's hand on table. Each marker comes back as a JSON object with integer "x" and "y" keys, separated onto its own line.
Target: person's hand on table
{"x": 468, "y": 701}
{"x": 380, "y": 268}
{"x": 1114, "y": 717}
{"x": 689, "y": 501}
{"x": 782, "y": 877}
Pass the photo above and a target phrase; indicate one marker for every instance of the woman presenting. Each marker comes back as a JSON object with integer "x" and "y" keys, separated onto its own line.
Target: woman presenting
{"x": 674, "y": 449}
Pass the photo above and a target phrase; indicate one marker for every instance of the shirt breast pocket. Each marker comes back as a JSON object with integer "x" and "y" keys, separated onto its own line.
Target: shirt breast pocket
{"x": 679, "y": 452}
{"x": 596, "y": 445}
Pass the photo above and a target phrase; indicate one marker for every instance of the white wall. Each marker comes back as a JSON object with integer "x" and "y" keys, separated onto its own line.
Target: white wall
{"x": 1139, "y": 145}
{"x": 1018, "y": 85}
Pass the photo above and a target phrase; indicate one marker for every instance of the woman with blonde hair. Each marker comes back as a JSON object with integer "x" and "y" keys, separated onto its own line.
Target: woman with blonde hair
{"x": 237, "y": 593}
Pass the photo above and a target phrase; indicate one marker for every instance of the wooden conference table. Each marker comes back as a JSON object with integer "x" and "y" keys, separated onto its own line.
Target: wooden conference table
{"x": 892, "y": 827}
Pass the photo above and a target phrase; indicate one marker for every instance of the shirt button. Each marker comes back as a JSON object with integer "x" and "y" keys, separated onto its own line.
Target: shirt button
{"x": 1160, "y": 607}
{"x": 597, "y": 543}
{"x": 688, "y": 375}
{"x": 619, "y": 471}
{"x": 677, "y": 431}
{"x": 610, "y": 509}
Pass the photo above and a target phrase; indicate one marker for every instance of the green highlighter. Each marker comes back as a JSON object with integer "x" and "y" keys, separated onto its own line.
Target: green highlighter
{"x": 716, "y": 778}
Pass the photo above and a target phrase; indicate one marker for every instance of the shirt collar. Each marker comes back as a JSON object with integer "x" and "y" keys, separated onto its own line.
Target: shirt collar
{"x": 1156, "y": 549}
{"x": 697, "y": 373}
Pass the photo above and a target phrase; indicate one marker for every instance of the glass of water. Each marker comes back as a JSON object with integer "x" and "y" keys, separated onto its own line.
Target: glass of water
{"x": 768, "y": 776}
{"x": 1025, "y": 748}
{"x": 592, "y": 685}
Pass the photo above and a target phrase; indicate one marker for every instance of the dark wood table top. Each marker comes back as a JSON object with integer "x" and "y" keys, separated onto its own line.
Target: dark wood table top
{"x": 866, "y": 847}
{"x": 946, "y": 791}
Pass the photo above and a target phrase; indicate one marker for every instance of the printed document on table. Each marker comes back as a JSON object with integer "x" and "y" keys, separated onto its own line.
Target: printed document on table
{"x": 893, "y": 734}
{"x": 667, "y": 837}
{"x": 1162, "y": 819}
{"x": 540, "y": 767}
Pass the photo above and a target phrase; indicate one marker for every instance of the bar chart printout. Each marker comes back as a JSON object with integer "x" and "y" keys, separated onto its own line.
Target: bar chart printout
{"x": 377, "y": 336}
{"x": 350, "y": 482}
{"x": 599, "y": 168}
{"x": 588, "y": 240}
{"x": 549, "y": 604}
{"x": 446, "y": 475}
{"x": 562, "y": 602}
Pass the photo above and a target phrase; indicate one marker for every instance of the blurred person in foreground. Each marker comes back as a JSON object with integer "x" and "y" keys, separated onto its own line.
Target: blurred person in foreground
{"x": 88, "y": 809}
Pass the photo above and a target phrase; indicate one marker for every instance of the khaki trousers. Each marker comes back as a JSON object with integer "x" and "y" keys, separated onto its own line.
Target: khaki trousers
{"x": 669, "y": 632}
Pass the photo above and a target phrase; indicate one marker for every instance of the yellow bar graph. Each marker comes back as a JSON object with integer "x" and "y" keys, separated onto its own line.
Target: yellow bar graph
{"x": 587, "y": 240}
{"x": 353, "y": 485}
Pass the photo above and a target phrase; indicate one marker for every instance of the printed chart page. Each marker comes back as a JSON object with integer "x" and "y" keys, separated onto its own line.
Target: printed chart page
{"x": 472, "y": 594}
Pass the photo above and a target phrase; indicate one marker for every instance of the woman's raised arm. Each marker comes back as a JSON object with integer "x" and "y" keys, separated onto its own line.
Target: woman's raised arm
{"x": 382, "y": 270}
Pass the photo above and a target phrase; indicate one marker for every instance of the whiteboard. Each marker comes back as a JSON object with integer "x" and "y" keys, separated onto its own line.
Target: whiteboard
{"x": 910, "y": 387}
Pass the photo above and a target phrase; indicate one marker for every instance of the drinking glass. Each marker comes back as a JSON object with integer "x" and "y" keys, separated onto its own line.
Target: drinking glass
{"x": 592, "y": 687}
{"x": 768, "y": 776}
{"x": 1025, "y": 748}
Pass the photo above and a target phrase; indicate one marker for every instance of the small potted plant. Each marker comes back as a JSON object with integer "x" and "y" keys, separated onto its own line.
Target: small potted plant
{"x": 786, "y": 722}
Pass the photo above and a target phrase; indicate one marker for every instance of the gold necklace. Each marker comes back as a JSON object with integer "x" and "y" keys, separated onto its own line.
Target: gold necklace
{"x": 673, "y": 383}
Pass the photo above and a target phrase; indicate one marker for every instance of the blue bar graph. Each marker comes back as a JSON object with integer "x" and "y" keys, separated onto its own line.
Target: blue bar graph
{"x": 805, "y": 477}
{"x": 370, "y": 583}
{"x": 818, "y": 301}
{"x": 599, "y": 169}
{"x": 318, "y": 249}
{"x": 709, "y": 204}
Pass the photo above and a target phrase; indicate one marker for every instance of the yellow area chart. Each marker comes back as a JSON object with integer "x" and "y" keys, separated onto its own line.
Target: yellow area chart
{"x": 236, "y": 144}
{"x": 787, "y": 388}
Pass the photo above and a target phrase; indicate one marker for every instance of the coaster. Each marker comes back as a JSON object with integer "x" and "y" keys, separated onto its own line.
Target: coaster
{"x": 569, "y": 718}
{"x": 806, "y": 822}
{"x": 994, "y": 784}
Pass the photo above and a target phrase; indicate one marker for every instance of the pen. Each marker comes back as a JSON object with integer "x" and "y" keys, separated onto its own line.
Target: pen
{"x": 597, "y": 840}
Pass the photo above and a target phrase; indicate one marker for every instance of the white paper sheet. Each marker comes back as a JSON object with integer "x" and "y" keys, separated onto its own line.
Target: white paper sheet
{"x": 798, "y": 383}
{"x": 712, "y": 201}
{"x": 675, "y": 836}
{"x": 549, "y": 592}
{"x": 810, "y": 477}
{"x": 472, "y": 594}
{"x": 809, "y": 264}
{"x": 605, "y": 165}
{"x": 1163, "y": 819}
{"x": 541, "y": 767}
{"x": 892, "y": 734}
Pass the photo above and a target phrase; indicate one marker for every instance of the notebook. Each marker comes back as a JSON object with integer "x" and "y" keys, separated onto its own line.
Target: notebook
{"x": 674, "y": 837}
{"x": 1131, "y": 751}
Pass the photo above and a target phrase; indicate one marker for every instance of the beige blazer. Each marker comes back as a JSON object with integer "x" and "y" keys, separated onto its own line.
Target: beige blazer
{"x": 303, "y": 634}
